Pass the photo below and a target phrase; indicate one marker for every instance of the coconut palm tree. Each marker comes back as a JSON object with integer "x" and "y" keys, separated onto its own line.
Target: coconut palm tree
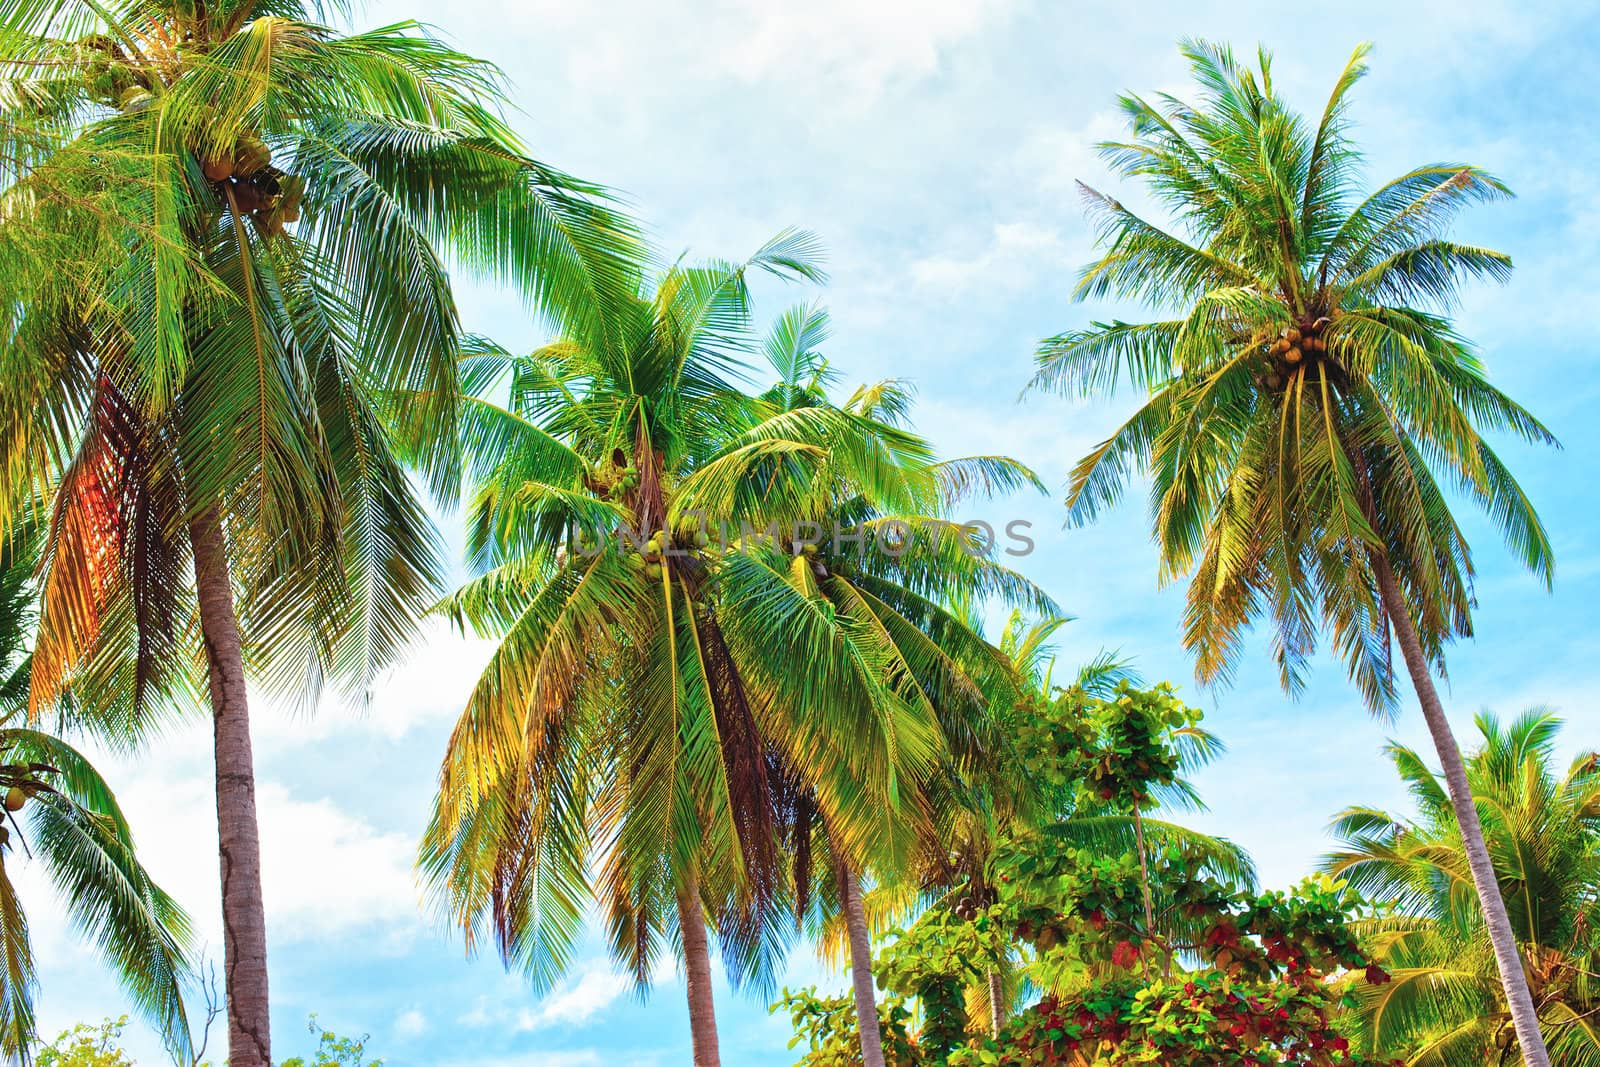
{"x": 1445, "y": 1006}
{"x": 657, "y": 715}
{"x": 925, "y": 560}
{"x": 59, "y": 813}
{"x": 616, "y": 726}
{"x": 1306, "y": 394}
{"x": 227, "y": 324}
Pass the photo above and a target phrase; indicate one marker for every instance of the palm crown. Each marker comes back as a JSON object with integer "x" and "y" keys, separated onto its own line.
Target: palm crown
{"x": 255, "y": 316}
{"x": 1306, "y": 396}
{"x": 647, "y": 702}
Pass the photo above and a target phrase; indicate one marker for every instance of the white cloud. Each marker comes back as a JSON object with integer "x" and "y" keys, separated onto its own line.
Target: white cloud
{"x": 844, "y": 48}
{"x": 863, "y": 45}
{"x": 411, "y": 1024}
{"x": 576, "y": 1000}
{"x": 326, "y": 870}
{"x": 1015, "y": 253}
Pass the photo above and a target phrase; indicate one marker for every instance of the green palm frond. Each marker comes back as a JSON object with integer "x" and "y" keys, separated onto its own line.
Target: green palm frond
{"x": 1445, "y": 1004}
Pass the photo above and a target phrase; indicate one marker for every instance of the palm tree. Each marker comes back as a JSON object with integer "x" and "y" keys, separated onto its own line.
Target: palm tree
{"x": 1444, "y": 1006}
{"x": 624, "y": 721}
{"x": 903, "y": 593}
{"x": 227, "y": 325}
{"x": 1303, "y": 398}
{"x": 59, "y": 812}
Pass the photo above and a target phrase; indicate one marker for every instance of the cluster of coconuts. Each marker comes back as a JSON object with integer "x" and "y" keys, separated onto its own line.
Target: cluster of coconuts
{"x": 1294, "y": 346}
{"x": 259, "y": 189}
{"x": 967, "y": 907}
{"x": 655, "y": 557}
{"x": 112, "y": 80}
{"x": 612, "y": 479}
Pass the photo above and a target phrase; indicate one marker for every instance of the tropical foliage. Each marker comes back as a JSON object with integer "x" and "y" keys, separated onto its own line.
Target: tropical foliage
{"x": 1303, "y": 398}
{"x": 1445, "y": 1007}
{"x": 740, "y": 691}
{"x": 228, "y": 324}
{"x": 1143, "y": 955}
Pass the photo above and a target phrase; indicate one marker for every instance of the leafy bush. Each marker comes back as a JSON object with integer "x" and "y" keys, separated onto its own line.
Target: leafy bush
{"x": 87, "y": 1046}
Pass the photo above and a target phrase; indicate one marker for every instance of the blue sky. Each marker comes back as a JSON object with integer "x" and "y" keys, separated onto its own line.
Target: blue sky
{"x": 933, "y": 146}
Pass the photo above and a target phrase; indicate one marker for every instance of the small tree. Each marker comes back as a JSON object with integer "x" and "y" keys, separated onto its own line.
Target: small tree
{"x": 335, "y": 1051}
{"x": 86, "y": 1045}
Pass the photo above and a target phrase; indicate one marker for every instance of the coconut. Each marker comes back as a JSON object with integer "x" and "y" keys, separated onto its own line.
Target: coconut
{"x": 134, "y": 98}
{"x": 1280, "y": 346}
{"x": 251, "y": 155}
{"x": 652, "y": 571}
{"x": 217, "y": 170}
{"x": 1293, "y": 334}
{"x": 246, "y": 197}
{"x": 1294, "y": 355}
{"x": 15, "y": 798}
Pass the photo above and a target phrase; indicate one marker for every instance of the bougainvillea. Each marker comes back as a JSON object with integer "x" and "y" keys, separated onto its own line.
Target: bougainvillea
{"x": 1141, "y": 955}
{"x": 1252, "y": 985}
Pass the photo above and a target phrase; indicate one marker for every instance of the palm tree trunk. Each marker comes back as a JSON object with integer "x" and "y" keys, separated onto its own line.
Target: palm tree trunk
{"x": 697, "y": 974}
{"x": 1512, "y": 976}
{"x": 1144, "y": 880}
{"x": 244, "y": 923}
{"x": 855, "y": 922}
{"x": 997, "y": 1002}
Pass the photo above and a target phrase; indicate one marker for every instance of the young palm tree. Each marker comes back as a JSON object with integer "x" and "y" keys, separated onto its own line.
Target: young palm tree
{"x": 59, "y": 813}
{"x": 1445, "y": 1005}
{"x": 254, "y": 329}
{"x": 1305, "y": 395}
{"x": 901, "y": 590}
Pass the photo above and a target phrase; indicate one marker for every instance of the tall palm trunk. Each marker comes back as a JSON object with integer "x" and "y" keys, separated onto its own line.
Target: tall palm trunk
{"x": 1512, "y": 976}
{"x": 697, "y": 974}
{"x": 1144, "y": 881}
{"x": 997, "y": 1002}
{"x": 244, "y": 924}
{"x": 855, "y": 923}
